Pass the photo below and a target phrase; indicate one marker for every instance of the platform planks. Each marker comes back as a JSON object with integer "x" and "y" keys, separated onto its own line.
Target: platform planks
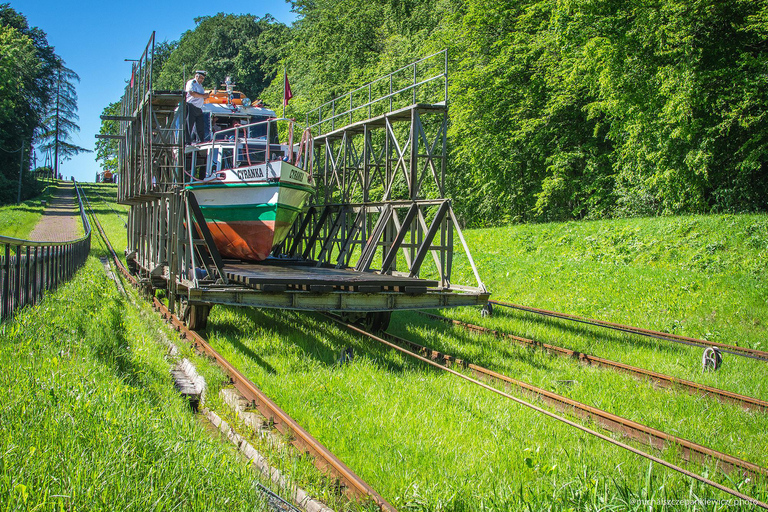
{"x": 282, "y": 277}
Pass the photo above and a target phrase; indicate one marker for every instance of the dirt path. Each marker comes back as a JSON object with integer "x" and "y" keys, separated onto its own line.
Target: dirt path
{"x": 61, "y": 217}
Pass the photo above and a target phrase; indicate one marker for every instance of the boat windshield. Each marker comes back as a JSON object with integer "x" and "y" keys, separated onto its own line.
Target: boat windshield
{"x": 252, "y": 155}
{"x": 223, "y": 128}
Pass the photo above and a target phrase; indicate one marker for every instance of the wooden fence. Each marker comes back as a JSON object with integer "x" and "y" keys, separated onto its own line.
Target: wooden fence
{"x": 29, "y": 268}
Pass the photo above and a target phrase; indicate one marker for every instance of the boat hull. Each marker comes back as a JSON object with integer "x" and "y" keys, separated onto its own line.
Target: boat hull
{"x": 247, "y": 218}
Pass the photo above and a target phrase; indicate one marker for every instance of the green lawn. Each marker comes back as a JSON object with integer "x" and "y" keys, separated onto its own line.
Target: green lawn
{"x": 427, "y": 441}
{"x": 18, "y": 220}
{"x": 424, "y": 440}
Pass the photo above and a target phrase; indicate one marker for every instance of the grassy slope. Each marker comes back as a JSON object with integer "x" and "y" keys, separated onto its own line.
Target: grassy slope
{"x": 18, "y": 221}
{"x": 700, "y": 276}
{"x": 113, "y": 217}
{"x": 429, "y": 442}
{"x": 90, "y": 418}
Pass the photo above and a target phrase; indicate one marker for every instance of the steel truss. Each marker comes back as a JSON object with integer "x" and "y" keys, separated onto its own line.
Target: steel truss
{"x": 380, "y": 203}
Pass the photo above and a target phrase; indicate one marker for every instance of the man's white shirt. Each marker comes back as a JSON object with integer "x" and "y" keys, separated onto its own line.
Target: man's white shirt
{"x": 194, "y": 86}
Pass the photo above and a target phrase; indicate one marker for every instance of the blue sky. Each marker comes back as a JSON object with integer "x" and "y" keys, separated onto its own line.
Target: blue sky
{"x": 94, "y": 38}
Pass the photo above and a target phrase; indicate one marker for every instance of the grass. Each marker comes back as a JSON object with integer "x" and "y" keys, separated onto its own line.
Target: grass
{"x": 699, "y": 276}
{"x": 426, "y": 440}
{"x": 112, "y": 216}
{"x": 429, "y": 442}
{"x": 90, "y": 418}
{"x": 298, "y": 468}
{"x": 18, "y": 221}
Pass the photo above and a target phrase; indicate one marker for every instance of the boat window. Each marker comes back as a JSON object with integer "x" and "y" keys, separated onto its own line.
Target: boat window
{"x": 226, "y": 159}
{"x": 259, "y": 130}
{"x": 257, "y": 155}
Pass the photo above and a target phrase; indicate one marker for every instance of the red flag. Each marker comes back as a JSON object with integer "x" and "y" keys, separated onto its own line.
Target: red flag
{"x": 287, "y": 94}
{"x": 133, "y": 73}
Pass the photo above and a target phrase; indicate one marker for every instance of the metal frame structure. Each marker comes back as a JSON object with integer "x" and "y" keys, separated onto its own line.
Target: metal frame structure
{"x": 379, "y": 167}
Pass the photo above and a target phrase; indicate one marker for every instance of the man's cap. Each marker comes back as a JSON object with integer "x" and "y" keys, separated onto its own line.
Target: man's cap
{"x": 200, "y": 73}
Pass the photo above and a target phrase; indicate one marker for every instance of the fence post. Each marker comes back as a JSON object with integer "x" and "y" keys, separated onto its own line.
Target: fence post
{"x": 5, "y": 306}
{"x": 17, "y": 300}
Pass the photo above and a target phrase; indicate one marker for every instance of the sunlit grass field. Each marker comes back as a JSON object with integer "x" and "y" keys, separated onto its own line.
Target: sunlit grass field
{"x": 428, "y": 441}
{"x": 424, "y": 440}
{"x": 18, "y": 220}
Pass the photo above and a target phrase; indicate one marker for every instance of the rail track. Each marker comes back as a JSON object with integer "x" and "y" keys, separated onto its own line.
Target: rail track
{"x": 351, "y": 484}
{"x": 723, "y": 347}
{"x": 636, "y": 431}
{"x": 694, "y": 388}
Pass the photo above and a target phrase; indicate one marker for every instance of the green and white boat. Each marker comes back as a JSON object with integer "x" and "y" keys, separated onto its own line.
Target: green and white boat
{"x": 249, "y": 186}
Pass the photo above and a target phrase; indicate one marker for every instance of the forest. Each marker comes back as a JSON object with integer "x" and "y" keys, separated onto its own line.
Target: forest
{"x": 560, "y": 109}
{"x": 38, "y": 105}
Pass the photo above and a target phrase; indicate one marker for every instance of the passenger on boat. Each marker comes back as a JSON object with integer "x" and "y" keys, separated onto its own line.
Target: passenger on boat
{"x": 195, "y": 98}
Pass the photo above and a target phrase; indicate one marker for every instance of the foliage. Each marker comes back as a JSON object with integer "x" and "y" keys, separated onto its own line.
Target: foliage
{"x": 107, "y": 149}
{"x": 245, "y": 47}
{"x": 559, "y": 110}
{"x": 565, "y": 110}
{"x": 27, "y": 62}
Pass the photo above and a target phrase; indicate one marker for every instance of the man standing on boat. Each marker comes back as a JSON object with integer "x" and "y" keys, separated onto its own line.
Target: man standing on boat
{"x": 195, "y": 97}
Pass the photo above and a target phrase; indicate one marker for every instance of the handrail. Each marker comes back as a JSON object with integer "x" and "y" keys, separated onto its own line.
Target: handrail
{"x": 318, "y": 112}
{"x": 237, "y": 141}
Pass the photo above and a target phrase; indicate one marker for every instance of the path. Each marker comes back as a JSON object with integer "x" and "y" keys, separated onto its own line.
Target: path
{"x": 61, "y": 217}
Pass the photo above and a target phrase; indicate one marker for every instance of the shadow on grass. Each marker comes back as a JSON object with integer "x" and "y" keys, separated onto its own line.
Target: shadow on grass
{"x": 233, "y": 334}
{"x": 503, "y": 348}
{"x": 313, "y": 336}
{"x": 112, "y": 348}
{"x": 28, "y": 209}
{"x": 596, "y": 333}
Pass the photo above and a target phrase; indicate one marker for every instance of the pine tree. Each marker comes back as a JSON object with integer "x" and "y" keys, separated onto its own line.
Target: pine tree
{"x": 60, "y": 124}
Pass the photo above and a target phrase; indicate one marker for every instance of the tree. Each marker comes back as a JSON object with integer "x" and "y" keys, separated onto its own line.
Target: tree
{"x": 26, "y": 62}
{"x": 60, "y": 125}
{"x": 245, "y": 47}
{"x": 107, "y": 149}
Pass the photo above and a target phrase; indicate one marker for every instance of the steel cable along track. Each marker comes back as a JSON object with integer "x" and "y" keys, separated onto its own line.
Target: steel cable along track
{"x": 443, "y": 361}
{"x": 614, "y": 423}
{"x": 731, "y": 349}
{"x": 354, "y": 487}
{"x": 694, "y": 388}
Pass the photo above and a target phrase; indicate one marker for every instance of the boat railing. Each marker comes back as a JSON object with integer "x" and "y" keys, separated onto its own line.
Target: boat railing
{"x": 422, "y": 81}
{"x": 238, "y": 137}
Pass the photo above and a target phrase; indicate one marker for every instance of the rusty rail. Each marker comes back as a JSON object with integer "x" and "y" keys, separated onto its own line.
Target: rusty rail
{"x": 612, "y": 422}
{"x": 354, "y": 486}
{"x": 731, "y": 349}
{"x": 444, "y": 361}
{"x": 29, "y": 268}
{"x": 693, "y": 388}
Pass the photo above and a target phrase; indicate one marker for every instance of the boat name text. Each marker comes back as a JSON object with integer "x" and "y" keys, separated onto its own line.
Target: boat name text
{"x": 297, "y": 175}
{"x": 247, "y": 174}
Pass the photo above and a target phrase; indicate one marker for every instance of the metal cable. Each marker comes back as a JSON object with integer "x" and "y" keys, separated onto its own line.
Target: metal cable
{"x": 557, "y": 417}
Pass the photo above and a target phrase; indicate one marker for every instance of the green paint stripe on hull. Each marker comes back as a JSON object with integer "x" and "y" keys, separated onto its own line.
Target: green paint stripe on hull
{"x": 241, "y": 185}
{"x": 238, "y": 213}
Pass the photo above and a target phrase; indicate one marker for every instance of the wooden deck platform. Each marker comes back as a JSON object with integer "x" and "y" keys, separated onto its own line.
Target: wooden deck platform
{"x": 291, "y": 285}
{"x": 276, "y": 277}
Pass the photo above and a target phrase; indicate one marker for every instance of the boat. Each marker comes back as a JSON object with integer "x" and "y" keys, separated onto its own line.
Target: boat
{"x": 250, "y": 187}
